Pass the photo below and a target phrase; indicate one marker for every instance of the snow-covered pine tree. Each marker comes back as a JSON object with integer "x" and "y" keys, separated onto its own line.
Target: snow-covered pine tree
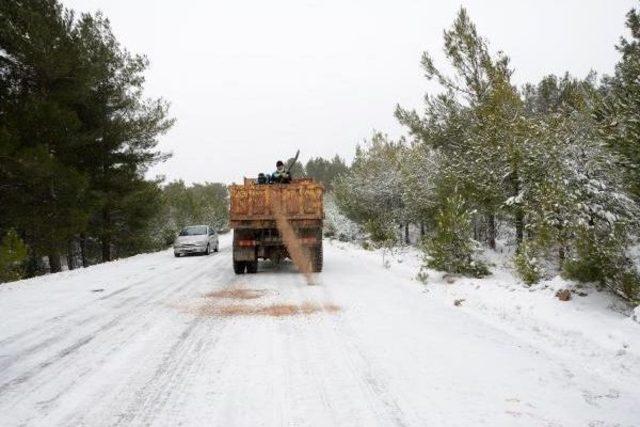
{"x": 604, "y": 216}
{"x": 451, "y": 247}
{"x": 574, "y": 196}
{"x": 420, "y": 168}
{"x": 620, "y": 112}
{"x": 475, "y": 124}
{"x": 371, "y": 192}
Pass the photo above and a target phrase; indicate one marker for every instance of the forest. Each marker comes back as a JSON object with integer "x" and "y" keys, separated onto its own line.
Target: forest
{"x": 550, "y": 169}
{"x": 77, "y": 136}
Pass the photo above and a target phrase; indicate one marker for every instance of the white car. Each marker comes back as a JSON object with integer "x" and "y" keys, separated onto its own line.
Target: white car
{"x": 196, "y": 239}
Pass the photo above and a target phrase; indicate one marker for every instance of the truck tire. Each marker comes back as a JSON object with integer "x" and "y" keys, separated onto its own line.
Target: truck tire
{"x": 316, "y": 261}
{"x": 252, "y": 267}
{"x": 238, "y": 267}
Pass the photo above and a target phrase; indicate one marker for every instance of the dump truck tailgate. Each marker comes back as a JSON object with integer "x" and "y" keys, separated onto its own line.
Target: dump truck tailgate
{"x": 299, "y": 200}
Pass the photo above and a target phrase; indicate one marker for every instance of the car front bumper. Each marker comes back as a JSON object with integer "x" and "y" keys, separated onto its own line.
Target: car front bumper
{"x": 182, "y": 250}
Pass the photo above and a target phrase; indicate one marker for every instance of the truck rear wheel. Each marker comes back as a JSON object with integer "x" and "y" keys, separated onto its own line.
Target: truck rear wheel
{"x": 252, "y": 267}
{"x": 316, "y": 262}
{"x": 238, "y": 267}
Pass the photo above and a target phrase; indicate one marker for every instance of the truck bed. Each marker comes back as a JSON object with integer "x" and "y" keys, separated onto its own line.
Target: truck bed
{"x": 254, "y": 205}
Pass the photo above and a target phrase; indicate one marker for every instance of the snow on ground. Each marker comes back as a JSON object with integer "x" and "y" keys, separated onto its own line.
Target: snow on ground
{"x": 158, "y": 340}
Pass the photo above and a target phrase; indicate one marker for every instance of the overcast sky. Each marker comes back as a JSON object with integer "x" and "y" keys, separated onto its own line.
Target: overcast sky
{"x": 251, "y": 81}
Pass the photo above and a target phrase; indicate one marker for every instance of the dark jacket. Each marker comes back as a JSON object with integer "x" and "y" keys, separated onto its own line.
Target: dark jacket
{"x": 281, "y": 177}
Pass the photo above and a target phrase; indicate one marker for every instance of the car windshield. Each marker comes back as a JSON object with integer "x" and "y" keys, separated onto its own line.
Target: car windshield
{"x": 194, "y": 230}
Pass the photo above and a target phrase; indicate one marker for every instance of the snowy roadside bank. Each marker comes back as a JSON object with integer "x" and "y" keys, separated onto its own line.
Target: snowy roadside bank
{"x": 595, "y": 328}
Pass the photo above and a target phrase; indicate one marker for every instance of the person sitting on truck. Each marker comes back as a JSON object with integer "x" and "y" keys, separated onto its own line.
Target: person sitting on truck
{"x": 280, "y": 176}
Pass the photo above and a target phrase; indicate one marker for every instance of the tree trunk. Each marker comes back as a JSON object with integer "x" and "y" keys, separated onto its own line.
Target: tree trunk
{"x": 33, "y": 266}
{"x": 519, "y": 215}
{"x": 406, "y": 233}
{"x": 519, "y": 220}
{"x": 561, "y": 249}
{"x": 491, "y": 231}
{"x": 476, "y": 232}
{"x": 83, "y": 250}
{"x": 106, "y": 249}
{"x": 71, "y": 254}
{"x": 55, "y": 265}
{"x": 106, "y": 237}
{"x": 422, "y": 230}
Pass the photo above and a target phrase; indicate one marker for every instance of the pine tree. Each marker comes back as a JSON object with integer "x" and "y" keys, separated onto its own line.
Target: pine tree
{"x": 371, "y": 192}
{"x": 326, "y": 171}
{"x": 451, "y": 248}
{"x": 476, "y": 123}
{"x": 620, "y": 112}
{"x": 125, "y": 127}
{"x": 575, "y": 200}
{"x": 421, "y": 170}
{"x": 76, "y": 135}
{"x": 43, "y": 77}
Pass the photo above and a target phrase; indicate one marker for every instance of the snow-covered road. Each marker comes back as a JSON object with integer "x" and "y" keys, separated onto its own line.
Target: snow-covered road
{"x": 155, "y": 340}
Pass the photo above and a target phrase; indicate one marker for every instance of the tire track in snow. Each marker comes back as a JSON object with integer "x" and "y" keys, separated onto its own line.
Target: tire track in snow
{"x": 179, "y": 365}
{"x": 370, "y": 380}
{"x": 169, "y": 379}
{"x": 148, "y": 400}
{"x": 54, "y": 322}
{"x": 325, "y": 334}
{"x": 129, "y": 312}
{"x": 61, "y": 357}
{"x": 46, "y": 406}
{"x": 299, "y": 349}
{"x": 338, "y": 332}
{"x": 87, "y": 306}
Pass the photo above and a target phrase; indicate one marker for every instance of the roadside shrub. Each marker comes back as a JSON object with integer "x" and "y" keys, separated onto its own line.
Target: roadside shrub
{"x": 526, "y": 262}
{"x": 627, "y": 284}
{"x": 451, "y": 248}
{"x": 381, "y": 231}
{"x": 603, "y": 258}
{"x": 336, "y": 224}
{"x": 167, "y": 237}
{"x": 13, "y": 254}
{"x": 587, "y": 262}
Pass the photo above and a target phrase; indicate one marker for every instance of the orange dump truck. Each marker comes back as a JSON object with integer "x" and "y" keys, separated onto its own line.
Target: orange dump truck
{"x": 265, "y": 216}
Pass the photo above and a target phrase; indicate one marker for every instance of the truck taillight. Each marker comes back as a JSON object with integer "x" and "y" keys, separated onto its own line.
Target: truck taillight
{"x": 246, "y": 243}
